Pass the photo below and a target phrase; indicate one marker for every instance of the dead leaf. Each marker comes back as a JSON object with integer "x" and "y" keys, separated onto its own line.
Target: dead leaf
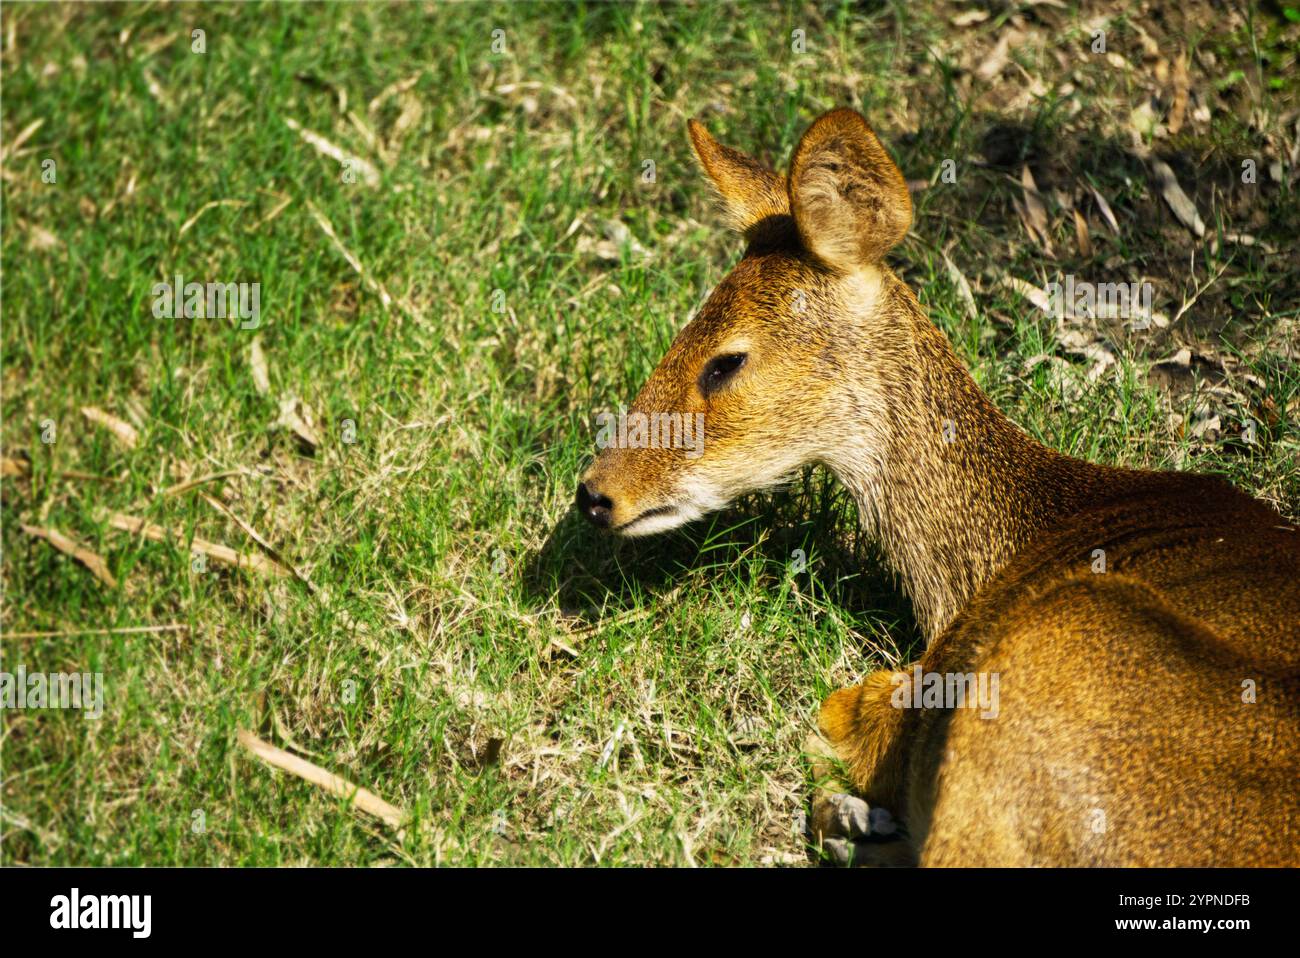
{"x": 1033, "y": 293}
{"x": 1081, "y": 236}
{"x": 39, "y": 238}
{"x": 97, "y": 566}
{"x": 123, "y": 431}
{"x": 997, "y": 59}
{"x": 617, "y": 239}
{"x": 1178, "y": 201}
{"x": 1086, "y": 343}
{"x": 601, "y": 249}
{"x": 1178, "y": 110}
{"x": 1144, "y": 122}
{"x": 1242, "y": 239}
{"x": 1061, "y": 375}
{"x": 1036, "y": 211}
{"x": 970, "y": 18}
{"x": 296, "y": 416}
{"x": 257, "y": 364}
{"x": 1106, "y": 212}
{"x": 618, "y": 233}
{"x": 14, "y": 467}
{"x": 1206, "y": 428}
{"x": 963, "y": 288}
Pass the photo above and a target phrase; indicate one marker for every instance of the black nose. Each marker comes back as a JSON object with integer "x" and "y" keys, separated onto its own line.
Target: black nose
{"x": 596, "y": 508}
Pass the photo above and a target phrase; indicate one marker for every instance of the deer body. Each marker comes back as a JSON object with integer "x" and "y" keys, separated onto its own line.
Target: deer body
{"x": 1144, "y": 627}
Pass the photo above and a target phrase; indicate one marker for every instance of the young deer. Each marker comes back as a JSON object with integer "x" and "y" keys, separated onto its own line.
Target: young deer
{"x": 1142, "y": 626}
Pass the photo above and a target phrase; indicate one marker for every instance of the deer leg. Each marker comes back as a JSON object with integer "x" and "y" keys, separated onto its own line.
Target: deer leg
{"x": 858, "y": 750}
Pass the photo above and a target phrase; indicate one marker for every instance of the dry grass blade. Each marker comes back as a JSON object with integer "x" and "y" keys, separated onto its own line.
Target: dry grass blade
{"x": 369, "y": 175}
{"x": 275, "y": 211}
{"x": 1241, "y": 239}
{"x": 361, "y": 798}
{"x": 210, "y": 205}
{"x": 156, "y": 91}
{"x": 222, "y": 554}
{"x": 189, "y": 484}
{"x": 371, "y": 283}
{"x": 128, "y": 630}
{"x": 91, "y": 560}
{"x": 124, "y": 431}
{"x": 534, "y": 86}
{"x": 366, "y": 132}
{"x": 90, "y": 476}
{"x": 257, "y": 363}
{"x": 9, "y": 149}
{"x": 1196, "y": 294}
{"x": 406, "y": 121}
{"x": 24, "y": 824}
{"x": 392, "y": 90}
{"x": 272, "y": 552}
{"x": 328, "y": 228}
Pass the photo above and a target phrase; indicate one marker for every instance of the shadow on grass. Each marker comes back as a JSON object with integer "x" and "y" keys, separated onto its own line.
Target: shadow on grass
{"x": 593, "y": 576}
{"x": 1153, "y": 245}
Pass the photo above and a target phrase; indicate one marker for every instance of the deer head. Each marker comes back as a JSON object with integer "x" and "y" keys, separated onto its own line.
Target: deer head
{"x": 792, "y": 358}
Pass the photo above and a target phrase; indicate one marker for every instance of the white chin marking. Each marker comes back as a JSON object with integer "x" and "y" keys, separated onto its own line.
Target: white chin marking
{"x": 660, "y": 522}
{"x": 697, "y": 499}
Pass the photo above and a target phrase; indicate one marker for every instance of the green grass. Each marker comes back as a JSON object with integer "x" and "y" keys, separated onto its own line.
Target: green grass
{"x": 528, "y": 691}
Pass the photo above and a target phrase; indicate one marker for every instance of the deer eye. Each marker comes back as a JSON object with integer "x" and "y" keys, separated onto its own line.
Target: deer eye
{"x": 718, "y": 370}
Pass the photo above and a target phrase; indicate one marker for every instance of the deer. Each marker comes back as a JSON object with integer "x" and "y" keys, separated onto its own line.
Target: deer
{"x": 1142, "y": 626}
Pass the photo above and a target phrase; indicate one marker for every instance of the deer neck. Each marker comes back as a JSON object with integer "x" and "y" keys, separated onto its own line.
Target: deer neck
{"x": 951, "y": 488}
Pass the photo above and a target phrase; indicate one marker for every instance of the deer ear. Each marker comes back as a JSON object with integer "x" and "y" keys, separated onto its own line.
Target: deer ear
{"x": 849, "y": 199}
{"x": 750, "y": 192}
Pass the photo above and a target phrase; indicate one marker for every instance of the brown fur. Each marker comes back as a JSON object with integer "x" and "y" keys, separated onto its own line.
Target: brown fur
{"x": 1124, "y": 736}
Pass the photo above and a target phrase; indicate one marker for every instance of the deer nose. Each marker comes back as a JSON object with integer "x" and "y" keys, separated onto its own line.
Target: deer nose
{"x": 596, "y": 508}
